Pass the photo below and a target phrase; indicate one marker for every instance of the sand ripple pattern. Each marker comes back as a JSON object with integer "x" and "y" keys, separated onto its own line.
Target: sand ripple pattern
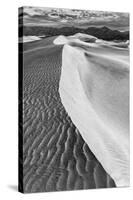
{"x": 55, "y": 155}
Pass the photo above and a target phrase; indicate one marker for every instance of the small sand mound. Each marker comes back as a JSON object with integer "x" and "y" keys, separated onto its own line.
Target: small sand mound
{"x": 60, "y": 40}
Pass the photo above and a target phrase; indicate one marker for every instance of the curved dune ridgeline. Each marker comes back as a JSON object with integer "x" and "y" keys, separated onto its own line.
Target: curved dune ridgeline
{"x": 56, "y": 157}
{"x": 94, "y": 89}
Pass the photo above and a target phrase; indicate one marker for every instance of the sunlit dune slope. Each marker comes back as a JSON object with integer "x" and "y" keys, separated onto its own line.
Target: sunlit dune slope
{"x": 94, "y": 89}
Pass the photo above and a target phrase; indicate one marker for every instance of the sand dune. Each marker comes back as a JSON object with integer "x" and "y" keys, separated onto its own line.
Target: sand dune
{"x": 29, "y": 38}
{"x": 78, "y": 38}
{"x": 84, "y": 37}
{"x": 55, "y": 155}
{"x": 94, "y": 89}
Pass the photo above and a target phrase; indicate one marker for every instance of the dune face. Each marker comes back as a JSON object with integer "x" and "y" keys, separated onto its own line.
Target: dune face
{"x": 55, "y": 156}
{"x": 94, "y": 89}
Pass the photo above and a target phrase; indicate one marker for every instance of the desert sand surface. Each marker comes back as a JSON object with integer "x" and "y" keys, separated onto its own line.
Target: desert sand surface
{"x": 94, "y": 89}
{"x": 56, "y": 157}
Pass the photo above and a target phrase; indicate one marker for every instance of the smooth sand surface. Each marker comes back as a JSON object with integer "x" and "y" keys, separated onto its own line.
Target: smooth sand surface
{"x": 94, "y": 89}
{"x": 56, "y": 156}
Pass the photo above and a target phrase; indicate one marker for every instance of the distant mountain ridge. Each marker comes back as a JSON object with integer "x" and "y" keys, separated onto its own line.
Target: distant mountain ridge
{"x": 104, "y": 32}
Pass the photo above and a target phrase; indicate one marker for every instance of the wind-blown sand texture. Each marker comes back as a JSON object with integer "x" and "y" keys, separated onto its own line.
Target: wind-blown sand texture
{"x": 94, "y": 89}
{"x": 55, "y": 155}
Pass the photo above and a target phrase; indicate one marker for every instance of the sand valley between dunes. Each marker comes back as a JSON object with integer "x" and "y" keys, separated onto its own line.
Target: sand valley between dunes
{"x": 56, "y": 157}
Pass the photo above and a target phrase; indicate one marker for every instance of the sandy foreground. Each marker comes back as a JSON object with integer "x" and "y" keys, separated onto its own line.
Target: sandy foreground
{"x": 94, "y": 89}
{"x": 56, "y": 157}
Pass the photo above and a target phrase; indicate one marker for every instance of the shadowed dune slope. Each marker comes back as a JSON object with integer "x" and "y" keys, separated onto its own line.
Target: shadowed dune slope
{"x": 55, "y": 155}
{"x": 94, "y": 89}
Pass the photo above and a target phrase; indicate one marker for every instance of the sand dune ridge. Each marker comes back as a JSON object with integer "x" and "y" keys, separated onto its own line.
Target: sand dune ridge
{"x": 94, "y": 89}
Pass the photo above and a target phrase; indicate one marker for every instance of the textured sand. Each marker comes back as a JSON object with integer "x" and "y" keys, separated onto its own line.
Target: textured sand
{"x": 94, "y": 89}
{"x": 55, "y": 155}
